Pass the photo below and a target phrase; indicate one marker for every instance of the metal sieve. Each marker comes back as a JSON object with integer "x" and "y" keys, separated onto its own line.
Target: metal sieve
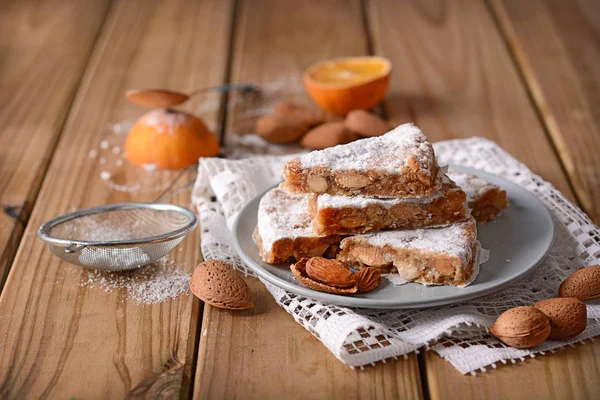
{"x": 140, "y": 233}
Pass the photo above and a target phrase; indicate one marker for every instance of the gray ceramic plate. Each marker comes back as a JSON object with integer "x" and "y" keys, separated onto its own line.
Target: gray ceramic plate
{"x": 518, "y": 241}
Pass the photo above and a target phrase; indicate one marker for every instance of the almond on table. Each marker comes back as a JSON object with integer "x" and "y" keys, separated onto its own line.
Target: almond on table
{"x": 365, "y": 123}
{"x": 279, "y": 130}
{"x": 327, "y": 135}
{"x": 399, "y": 163}
{"x": 300, "y": 114}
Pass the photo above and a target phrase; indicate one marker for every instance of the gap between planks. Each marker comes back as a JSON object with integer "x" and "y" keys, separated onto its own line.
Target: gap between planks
{"x": 22, "y": 214}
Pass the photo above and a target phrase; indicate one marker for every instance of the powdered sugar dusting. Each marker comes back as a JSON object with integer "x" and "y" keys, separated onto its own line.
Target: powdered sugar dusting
{"x": 152, "y": 284}
{"x": 456, "y": 239}
{"x": 164, "y": 121}
{"x": 283, "y": 215}
{"x": 473, "y": 186}
{"x": 387, "y": 153}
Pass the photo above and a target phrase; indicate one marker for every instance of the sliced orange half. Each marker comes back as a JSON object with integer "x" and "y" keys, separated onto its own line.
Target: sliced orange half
{"x": 345, "y": 84}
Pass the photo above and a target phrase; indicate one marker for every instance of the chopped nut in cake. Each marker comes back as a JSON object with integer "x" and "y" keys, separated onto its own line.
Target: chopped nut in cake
{"x": 485, "y": 199}
{"x": 284, "y": 232}
{"x": 345, "y": 215}
{"x": 431, "y": 256}
{"x": 399, "y": 163}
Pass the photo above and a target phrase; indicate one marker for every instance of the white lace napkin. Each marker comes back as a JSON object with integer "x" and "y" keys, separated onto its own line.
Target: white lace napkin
{"x": 457, "y": 332}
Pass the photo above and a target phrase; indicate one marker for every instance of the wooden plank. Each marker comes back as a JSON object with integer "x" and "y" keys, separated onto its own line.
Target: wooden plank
{"x": 263, "y": 353}
{"x": 557, "y": 47}
{"x": 60, "y": 337}
{"x": 566, "y": 374}
{"x": 454, "y": 76}
{"x": 38, "y": 78}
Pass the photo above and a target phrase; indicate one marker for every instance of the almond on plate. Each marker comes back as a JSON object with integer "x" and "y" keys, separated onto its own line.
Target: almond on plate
{"x": 365, "y": 123}
{"x": 521, "y": 327}
{"x": 216, "y": 282}
{"x": 329, "y": 276}
{"x": 568, "y": 316}
{"x": 583, "y": 284}
{"x": 300, "y": 114}
{"x": 327, "y": 135}
{"x": 279, "y": 130}
{"x": 367, "y": 279}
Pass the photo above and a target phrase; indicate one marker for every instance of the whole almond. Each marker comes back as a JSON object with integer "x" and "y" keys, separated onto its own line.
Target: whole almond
{"x": 367, "y": 279}
{"x": 299, "y": 271}
{"x": 327, "y": 135}
{"x": 279, "y": 130}
{"x": 216, "y": 282}
{"x": 583, "y": 284}
{"x": 352, "y": 180}
{"x": 301, "y": 114}
{"x": 330, "y": 272}
{"x": 568, "y": 316}
{"x": 521, "y": 327}
{"x": 366, "y": 123}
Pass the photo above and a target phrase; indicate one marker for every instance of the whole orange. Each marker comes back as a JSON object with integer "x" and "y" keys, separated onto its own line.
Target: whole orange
{"x": 169, "y": 139}
{"x": 345, "y": 84}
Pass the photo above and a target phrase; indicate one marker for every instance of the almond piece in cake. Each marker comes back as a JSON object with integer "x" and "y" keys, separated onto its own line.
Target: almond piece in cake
{"x": 485, "y": 199}
{"x": 284, "y": 232}
{"x": 432, "y": 256}
{"x": 345, "y": 215}
{"x": 399, "y": 163}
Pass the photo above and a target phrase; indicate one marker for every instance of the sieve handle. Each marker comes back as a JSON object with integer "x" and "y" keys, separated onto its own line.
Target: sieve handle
{"x": 74, "y": 248}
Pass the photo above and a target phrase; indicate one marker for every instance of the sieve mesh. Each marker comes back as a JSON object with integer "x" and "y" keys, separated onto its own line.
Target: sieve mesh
{"x": 118, "y": 237}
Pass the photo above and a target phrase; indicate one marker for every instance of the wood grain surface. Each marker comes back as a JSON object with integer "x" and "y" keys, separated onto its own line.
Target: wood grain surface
{"x": 521, "y": 73}
{"x": 264, "y": 353}
{"x": 557, "y": 46}
{"x": 60, "y": 337}
{"x": 38, "y": 78}
{"x": 455, "y": 77}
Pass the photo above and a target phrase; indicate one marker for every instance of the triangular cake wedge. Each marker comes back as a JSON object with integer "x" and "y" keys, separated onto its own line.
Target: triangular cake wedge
{"x": 349, "y": 215}
{"x": 485, "y": 199}
{"x": 399, "y": 163}
{"x": 447, "y": 255}
{"x": 284, "y": 233}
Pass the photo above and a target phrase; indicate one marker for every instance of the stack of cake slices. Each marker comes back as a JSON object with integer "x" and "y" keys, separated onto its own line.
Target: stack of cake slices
{"x": 380, "y": 202}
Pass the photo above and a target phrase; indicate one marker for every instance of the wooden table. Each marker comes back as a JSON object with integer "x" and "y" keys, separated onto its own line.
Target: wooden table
{"x": 523, "y": 73}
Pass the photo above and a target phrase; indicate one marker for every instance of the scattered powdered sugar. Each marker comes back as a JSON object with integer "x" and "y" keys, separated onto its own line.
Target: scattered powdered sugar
{"x": 105, "y": 175}
{"x": 93, "y": 153}
{"x": 283, "y": 215}
{"x": 150, "y": 167}
{"x": 152, "y": 284}
{"x": 104, "y": 144}
{"x": 388, "y": 153}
